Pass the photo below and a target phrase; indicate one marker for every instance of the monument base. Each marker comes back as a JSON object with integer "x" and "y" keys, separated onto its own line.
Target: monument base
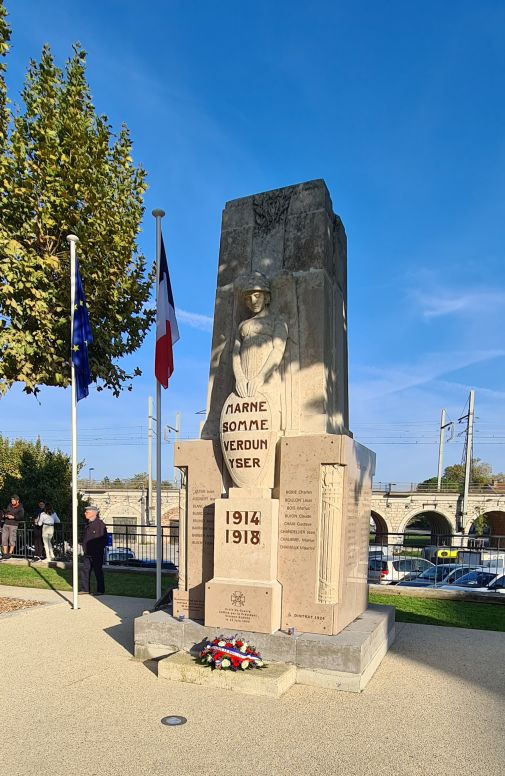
{"x": 346, "y": 661}
{"x": 241, "y": 604}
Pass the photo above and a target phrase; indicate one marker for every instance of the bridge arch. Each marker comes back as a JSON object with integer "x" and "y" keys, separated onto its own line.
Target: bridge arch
{"x": 378, "y": 525}
{"x": 440, "y": 523}
{"x": 495, "y": 520}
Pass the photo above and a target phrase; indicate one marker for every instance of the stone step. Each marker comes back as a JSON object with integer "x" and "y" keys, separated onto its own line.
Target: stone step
{"x": 273, "y": 680}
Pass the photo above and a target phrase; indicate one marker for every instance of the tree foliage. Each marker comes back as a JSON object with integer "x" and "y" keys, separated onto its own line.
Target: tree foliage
{"x": 480, "y": 525}
{"x": 453, "y": 478}
{"x": 35, "y": 472}
{"x": 136, "y": 481}
{"x": 64, "y": 171}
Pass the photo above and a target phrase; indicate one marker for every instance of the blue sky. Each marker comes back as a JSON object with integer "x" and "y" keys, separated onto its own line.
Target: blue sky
{"x": 398, "y": 106}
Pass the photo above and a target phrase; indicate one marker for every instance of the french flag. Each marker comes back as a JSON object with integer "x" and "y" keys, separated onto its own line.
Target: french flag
{"x": 167, "y": 331}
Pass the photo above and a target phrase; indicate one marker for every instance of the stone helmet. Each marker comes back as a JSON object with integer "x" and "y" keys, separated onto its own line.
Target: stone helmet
{"x": 253, "y": 281}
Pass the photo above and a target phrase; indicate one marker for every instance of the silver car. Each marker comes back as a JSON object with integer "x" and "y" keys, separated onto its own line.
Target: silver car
{"x": 390, "y": 569}
{"x": 442, "y": 574}
{"x": 482, "y": 580}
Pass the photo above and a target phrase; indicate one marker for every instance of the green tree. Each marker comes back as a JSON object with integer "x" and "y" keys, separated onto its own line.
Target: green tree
{"x": 64, "y": 171}
{"x": 480, "y": 524}
{"x": 35, "y": 472}
{"x": 453, "y": 477}
{"x": 138, "y": 480}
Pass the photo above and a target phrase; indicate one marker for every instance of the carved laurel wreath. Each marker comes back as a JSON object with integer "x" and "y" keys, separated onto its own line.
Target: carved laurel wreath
{"x": 271, "y": 209}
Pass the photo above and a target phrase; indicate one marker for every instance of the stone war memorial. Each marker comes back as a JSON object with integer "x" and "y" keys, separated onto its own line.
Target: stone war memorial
{"x": 274, "y": 534}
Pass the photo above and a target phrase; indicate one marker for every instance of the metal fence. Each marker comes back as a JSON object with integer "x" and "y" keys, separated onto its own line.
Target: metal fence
{"x": 129, "y": 545}
{"x": 393, "y": 556}
{"x": 420, "y": 538}
{"x": 98, "y": 486}
{"x": 445, "y": 487}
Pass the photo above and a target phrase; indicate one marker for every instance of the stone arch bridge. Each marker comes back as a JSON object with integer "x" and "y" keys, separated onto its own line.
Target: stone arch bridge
{"x": 393, "y": 511}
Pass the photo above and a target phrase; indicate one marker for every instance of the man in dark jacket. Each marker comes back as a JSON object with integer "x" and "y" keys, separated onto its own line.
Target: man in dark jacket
{"x": 94, "y": 542}
{"x": 13, "y": 515}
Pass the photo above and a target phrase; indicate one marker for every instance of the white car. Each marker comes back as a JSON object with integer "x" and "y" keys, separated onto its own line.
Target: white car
{"x": 482, "y": 580}
{"x": 389, "y": 569}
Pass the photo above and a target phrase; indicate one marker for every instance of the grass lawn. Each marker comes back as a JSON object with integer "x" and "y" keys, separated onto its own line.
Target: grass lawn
{"x": 426, "y": 611}
{"x": 416, "y": 540}
{"x": 140, "y": 585}
{"x": 456, "y": 614}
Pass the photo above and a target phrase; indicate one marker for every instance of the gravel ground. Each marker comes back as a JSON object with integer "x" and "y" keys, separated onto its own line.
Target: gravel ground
{"x": 13, "y": 604}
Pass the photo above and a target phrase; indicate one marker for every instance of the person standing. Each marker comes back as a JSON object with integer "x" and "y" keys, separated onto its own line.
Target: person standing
{"x": 47, "y": 520}
{"x": 13, "y": 515}
{"x": 94, "y": 542}
{"x": 38, "y": 547}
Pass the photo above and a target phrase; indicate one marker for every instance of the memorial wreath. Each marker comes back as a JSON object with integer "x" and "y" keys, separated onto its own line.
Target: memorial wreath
{"x": 231, "y": 653}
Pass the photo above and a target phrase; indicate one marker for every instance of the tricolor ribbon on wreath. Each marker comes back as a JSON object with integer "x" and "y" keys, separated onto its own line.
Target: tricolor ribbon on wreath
{"x": 234, "y": 652}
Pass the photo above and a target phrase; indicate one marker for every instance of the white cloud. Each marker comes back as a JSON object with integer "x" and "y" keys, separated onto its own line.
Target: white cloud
{"x": 436, "y": 304}
{"x": 395, "y": 410}
{"x": 195, "y": 320}
{"x": 454, "y": 386}
{"x": 395, "y": 378}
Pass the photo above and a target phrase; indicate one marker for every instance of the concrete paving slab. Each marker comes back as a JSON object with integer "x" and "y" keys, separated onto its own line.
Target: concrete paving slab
{"x": 74, "y": 700}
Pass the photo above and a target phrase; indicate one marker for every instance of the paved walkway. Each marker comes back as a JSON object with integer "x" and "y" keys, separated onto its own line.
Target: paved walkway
{"x": 73, "y": 701}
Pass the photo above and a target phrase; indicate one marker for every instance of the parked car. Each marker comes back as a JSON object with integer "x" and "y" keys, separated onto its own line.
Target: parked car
{"x": 117, "y": 556}
{"x": 480, "y": 581}
{"x": 389, "y": 569}
{"x": 378, "y": 549}
{"x": 166, "y": 565}
{"x": 123, "y": 556}
{"x": 443, "y": 574}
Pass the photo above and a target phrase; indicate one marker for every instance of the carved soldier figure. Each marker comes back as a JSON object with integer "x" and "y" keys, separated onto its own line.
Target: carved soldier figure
{"x": 260, "y": 342}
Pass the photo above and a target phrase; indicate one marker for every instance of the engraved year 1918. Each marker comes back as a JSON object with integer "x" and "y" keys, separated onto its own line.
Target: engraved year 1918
{"x": 243, "y": 535}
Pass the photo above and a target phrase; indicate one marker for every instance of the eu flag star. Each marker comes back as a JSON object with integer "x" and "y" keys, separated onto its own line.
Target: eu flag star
{"x": 81, "y": 337}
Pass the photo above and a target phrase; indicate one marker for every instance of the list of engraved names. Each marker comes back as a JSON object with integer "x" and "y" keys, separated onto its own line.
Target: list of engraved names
{"x": 297, "y": 531}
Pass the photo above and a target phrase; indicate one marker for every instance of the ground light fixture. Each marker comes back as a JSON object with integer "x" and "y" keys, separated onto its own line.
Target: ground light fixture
{"x": 172, "y": 720}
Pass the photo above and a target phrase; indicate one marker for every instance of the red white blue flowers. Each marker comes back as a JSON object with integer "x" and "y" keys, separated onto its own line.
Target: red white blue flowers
{"x": 230, "y": 653}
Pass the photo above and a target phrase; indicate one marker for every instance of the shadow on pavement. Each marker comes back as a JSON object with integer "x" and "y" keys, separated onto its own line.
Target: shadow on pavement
{"x": 126, "y": 609}
{"x": 48, "y": 583}
{"x": 468, "y": 655}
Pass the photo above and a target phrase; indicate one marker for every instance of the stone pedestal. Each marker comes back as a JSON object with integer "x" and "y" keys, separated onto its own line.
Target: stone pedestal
{"x": 324, "y": 514}
{"x": 273, "y": 683}
{"x": 343, "y": 662}
{"x": 244, "y": 592}
{"x": 201, "y": 463}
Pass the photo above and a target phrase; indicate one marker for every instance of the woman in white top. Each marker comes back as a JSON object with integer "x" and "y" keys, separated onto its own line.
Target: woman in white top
{"x": 47, "y": 520}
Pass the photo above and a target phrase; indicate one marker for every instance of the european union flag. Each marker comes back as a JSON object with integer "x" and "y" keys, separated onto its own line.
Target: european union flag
{"x": 81, "y": 338}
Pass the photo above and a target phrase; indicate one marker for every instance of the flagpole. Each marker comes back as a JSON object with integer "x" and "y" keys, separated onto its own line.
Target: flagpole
{"x": 158, "y": 215}
{"x": 72, "y": 239}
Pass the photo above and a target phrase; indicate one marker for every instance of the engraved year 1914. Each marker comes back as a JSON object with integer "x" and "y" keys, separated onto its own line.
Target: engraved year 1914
{"x": 243, "y": 535}
{"x": 238, "y": 518}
